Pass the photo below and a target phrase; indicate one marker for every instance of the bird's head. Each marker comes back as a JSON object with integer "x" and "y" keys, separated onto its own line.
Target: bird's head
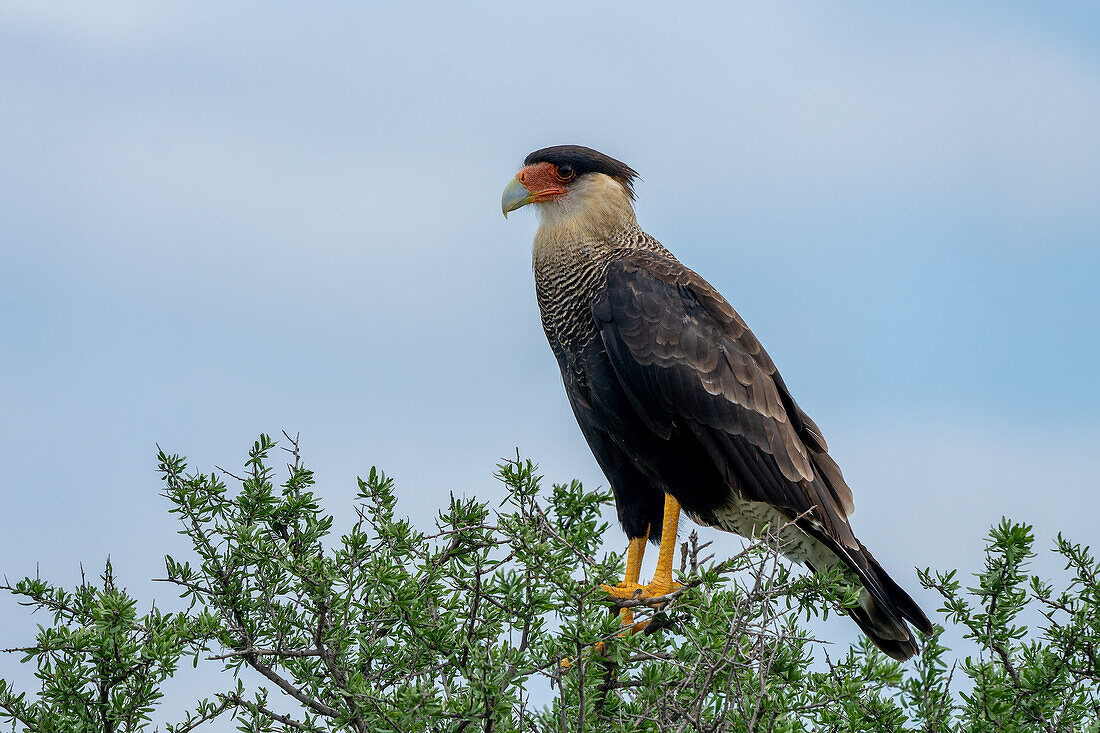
{"x": 570, "y": 180}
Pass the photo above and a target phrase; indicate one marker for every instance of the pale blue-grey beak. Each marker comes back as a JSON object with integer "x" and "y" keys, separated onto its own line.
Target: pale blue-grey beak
{"x": 515, "y": 196}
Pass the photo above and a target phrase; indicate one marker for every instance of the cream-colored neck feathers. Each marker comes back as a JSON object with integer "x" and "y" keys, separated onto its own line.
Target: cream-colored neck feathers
{"x": 596, "y": 206}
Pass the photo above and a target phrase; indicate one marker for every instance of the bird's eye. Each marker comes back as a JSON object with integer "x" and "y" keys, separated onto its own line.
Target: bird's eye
{"x": 565, "y": 172}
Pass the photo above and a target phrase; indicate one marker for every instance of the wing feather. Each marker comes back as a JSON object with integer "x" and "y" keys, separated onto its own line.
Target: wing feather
{"x": 684, "y": 356}
{"x": 688, "y": 362}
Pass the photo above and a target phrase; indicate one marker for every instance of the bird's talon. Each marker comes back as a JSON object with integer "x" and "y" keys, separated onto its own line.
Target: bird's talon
{"x": 656, "y": 589}
{"x": 623, "y": 591}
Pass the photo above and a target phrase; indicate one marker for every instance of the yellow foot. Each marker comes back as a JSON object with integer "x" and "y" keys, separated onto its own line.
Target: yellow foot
{"x": 633, "y": 591}
{"x": 623, "y": 590}
{"x": 659, "y": 588}
{"x": 627, "y": 591}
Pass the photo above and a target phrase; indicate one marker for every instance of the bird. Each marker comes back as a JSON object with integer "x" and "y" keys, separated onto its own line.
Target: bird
{"x": 680, "y": 404}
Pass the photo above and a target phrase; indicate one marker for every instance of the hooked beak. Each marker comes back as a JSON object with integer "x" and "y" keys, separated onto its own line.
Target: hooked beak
{"x": 515, "y": 196}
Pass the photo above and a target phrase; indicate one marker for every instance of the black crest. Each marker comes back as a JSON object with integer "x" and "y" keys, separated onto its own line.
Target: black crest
{"x": 586, "y": 160}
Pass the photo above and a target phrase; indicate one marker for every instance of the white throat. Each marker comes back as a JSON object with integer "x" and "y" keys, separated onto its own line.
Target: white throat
{"x": 595, "y": 205}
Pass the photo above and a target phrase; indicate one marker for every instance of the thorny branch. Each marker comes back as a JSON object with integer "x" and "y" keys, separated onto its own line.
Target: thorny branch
{"x": 387, "y": 628}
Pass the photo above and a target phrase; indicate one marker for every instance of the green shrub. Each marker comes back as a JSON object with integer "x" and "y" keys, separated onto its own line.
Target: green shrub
{"x": 494, "y": 621}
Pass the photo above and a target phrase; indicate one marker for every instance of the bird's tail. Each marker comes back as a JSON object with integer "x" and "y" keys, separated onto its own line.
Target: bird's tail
{"x": 883, "y": 611}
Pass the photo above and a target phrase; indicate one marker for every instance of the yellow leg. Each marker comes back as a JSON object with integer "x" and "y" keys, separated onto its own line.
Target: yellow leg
{"x": 634, "y": 554}
{"x": 662, "y": 583}
{"x": 662, "y": 579}
{"x": 626, "y": 589}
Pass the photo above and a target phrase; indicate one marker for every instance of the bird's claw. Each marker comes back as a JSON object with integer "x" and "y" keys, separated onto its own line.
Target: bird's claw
{"x": 659, "y": 588}
{"x": 634, "y": 591}
{"x": 623, "y": 591}
{"x": 628, "y": 591}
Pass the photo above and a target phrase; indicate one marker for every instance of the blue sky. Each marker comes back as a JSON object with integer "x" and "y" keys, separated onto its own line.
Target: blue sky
{"x": 219, "y": 220}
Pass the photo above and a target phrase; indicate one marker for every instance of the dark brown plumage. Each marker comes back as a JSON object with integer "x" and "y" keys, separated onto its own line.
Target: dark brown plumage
{"x": 674, "y": 393}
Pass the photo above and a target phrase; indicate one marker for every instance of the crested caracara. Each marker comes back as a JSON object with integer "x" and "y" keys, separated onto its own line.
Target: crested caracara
{"x": 679, "y": 402}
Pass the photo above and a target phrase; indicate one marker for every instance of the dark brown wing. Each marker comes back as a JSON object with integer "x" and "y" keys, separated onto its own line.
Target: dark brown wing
{"x": 689, "y": 364}
{"x": 684, "y": 355}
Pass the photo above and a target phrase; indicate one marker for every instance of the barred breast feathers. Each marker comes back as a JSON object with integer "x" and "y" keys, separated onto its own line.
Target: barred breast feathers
{"x": 578, "y": 235}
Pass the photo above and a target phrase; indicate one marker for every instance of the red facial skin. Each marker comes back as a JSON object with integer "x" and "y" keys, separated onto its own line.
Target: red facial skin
{"x": 542, "y": 180}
